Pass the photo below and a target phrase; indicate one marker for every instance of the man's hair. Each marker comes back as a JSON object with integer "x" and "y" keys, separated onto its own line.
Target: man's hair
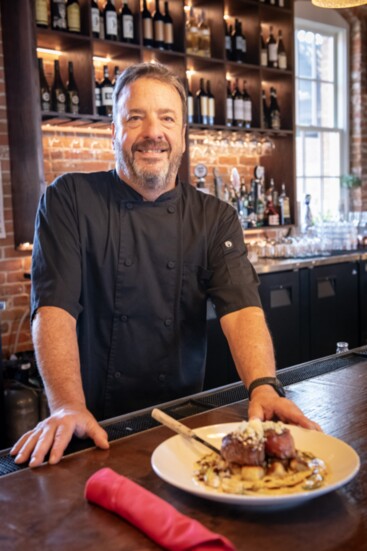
{"x": 155, "y": 71}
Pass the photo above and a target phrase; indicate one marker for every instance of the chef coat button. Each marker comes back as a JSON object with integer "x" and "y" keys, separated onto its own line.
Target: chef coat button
{"x": 171, "y": 209}
{"x": 168, "y": 322}
{"x": 171, "y": 264}
{"x": 117, "y": 374}
{"x": 128, "y": 261}
{"x": 161, "y": 377}
{"x": 123, "y": 318}
{"x": 129, "y": 206}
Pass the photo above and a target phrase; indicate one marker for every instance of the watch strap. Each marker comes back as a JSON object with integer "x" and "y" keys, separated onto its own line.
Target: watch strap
{"x": 272, "y": 381}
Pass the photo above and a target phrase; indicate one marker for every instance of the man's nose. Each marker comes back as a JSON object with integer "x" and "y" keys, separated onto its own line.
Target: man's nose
{"x": 152, "y": 128}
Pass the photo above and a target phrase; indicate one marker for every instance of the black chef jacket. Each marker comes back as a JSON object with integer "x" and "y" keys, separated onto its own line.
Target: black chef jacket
{"x": 136, "y": 275}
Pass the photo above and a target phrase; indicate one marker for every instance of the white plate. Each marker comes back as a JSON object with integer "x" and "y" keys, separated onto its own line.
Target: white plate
{"x": 174, "y": 460}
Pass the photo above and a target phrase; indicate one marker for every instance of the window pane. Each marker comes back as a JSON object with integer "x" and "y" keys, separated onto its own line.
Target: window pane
{"x": 313, "y": 187}
{"x": 304, "y": 102}
{"x": 305, "y": 54}
{"x": 312, "y": 154}
{"x": 331, "y": 153}
{"x": 331, "y": 198}
{"x": 299, "y": 154}
{"x": 325, "y": 104}
{"x": 324, "y": 51}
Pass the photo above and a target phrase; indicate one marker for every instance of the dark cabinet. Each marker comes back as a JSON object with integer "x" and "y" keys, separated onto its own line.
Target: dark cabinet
{"x": 363, "y": 301}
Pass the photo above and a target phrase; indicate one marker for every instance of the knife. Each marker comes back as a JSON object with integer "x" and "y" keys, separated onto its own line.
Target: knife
{"x": 178, "y": 427}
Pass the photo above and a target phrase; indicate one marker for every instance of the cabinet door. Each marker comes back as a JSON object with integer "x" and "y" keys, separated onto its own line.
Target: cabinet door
{"x": 333, "y": 307}
{"x": 363, "y": 302}
{"x": 279, "y": 294}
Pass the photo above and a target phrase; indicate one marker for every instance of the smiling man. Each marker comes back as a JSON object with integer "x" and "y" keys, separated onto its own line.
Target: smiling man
{"x": 123, "y": 264}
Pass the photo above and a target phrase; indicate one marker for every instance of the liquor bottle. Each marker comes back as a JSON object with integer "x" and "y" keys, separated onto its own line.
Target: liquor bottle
{"x": 247, "y": 106}
{"x": 227, "y": 41}
{"x": 237, "y": 106}
{"x": 229, "y": 105}
{"x": 244, "y": 42}
{"x": 204, "y": 36}
{"x": 116, "y": 74}
{"x": 110, "y": 21}
{"x": 272, "y": 49}
{"x": 285, "y": 209}
{"x": 58, "y": 15}
{"x": 237, "y": 48}
{"x": 211, "y": 104}
{"x": 41, "y": 13}
{"x": 147, "y": 26}
{"x": 265, "y": 111}
{"x": 158, "y": 27}
{"x": 73, "y": 16}
{"x": 190, "y": 107}
{"x": 263, "y": 51}
{"x": 168, "y": 28}
{"x": 72, "y": 97}
{"x": 282, "y": 55}
{"x": 106, "y": 93}
{"x": 96, "y": 24}
{"x": 271, "y": 215}
{"x": 97, "y": 95}
{"x": 260, "y": 205}
{"x": 127, "y": 23}
{"x": 58, "y": 92}
{"x": 274, "y": 111}
{"x": 201, "y": 104}
{"x": 192, "y": 34}
{"x": 45, "y": 95}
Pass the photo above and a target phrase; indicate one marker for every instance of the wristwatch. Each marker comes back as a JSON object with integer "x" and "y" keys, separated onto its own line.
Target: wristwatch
{"x": 272, "y": 381}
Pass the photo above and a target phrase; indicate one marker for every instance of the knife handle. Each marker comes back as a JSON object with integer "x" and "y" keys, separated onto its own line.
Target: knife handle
{"x": 171, "y": 423}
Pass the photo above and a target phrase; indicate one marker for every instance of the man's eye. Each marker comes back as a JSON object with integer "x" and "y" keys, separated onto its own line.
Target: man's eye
{"x": 134, "y": 118}
{"x": 169, "y": 119}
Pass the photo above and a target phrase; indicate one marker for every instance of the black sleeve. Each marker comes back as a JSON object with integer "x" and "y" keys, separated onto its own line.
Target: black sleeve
{"x": 56, "y": 261}
{"x": 234, "y": 284}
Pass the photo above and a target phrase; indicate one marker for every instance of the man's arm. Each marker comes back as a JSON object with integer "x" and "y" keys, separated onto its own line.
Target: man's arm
{"x": 57, "y": 353}
{"x": 252, "y": 351}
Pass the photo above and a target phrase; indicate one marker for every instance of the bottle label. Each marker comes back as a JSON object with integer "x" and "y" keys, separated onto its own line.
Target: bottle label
{"x": 282, "y": 60}
{"x": 190, "y": 109}
{"x": 168, "y": 33}
{"x": 247, "y": 111}
{"x": 41, "y": 12}
{"x": 273, "y": 53}
{"x": 128, "y": 27}
{"x": 273, "y": 219}
{"x": 264, "y": 58}
{"x": 228, "y": 43}
{"x": 97, "y": 95}
{"x": 238, "y": 109}
{"x": 111, "y": 23}
{"x": 74, "y": 103}
{"x": 60, "y": 103}
{"x": 59, "y": 16}
{"x": 148, "y": 28}
{"x": 73, "y": 16}
{"x": 107, "y": 92}
{"x": 159, "y": 31}
{"x": 239, "y": 45}
{"x": 95, "y": 21}
{"x": 286, "y": 209}
{"x": 45, "y": 101}
{"x": 275, "y": 119}
{"x": 229, "y": 109}
{"x": 204, "y": 106}
{"x": 211, "y": 108}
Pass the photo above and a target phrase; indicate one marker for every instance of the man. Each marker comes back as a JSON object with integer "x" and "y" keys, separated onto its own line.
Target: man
{"x": 123, "y": 264}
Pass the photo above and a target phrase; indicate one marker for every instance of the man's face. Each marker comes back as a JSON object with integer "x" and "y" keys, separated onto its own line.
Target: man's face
{"x": 149, "y": 136}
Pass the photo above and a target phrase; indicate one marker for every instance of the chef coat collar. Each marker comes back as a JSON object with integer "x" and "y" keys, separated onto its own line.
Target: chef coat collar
{"x": 127, "y": 193}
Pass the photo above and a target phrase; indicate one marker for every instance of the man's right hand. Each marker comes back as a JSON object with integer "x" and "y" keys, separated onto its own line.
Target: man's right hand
{"x": 54, "y": 434}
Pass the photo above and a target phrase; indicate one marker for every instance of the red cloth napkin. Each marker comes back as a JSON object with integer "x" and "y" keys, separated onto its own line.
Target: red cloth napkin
{"x": 151, "y": 514}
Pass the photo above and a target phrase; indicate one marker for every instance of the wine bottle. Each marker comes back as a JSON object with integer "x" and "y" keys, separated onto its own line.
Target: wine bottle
{"x": 204, "y": 36}
{"x": 274, "y": 111}
{"x": 247, "y": 106}
{"x": 72, "y": 98}
{"x": 201, "y": 104}
{"x": 211, "y": 104}
{"x": 41, "y": 13}
{"x": 272, "y": 49}
{"x": 58, "y": 92}
{"x": 265, "y": 111}
{"x": 97, "y": 95}
{"x": 58, "y": 15}
{"x": 285, "y": 209}
{"x": 272, "y": 2}
{"x": 110, "y": 21}
{"x": 281, "y": 3}
{"x": 190, "y": 107}
{"x": 73, "y": 16}
{"x": 282, "y": 55}
{"x": 94, "y": 11}
{"x": 45, "y": 95}
{"x": 192, "y": 34}
{"x": 263, "y": 51}
{"x": 106, "y": 93}
{"x": 102, "y": 31}
{"x": 147, "y": 26}
{"x": 237, "y": 49}
{"x": 229, "y": 105}
{"x": 271, "y": 215}
{"x": 227, "y": 41}
{"x": 237, "y": 106}
{"x": 243, "y": 42}
{"x": 127, "y": 23}
{"x": 168, "y": 28}
{"x": 116, "y": 74}
{"x": 158, "y": 26}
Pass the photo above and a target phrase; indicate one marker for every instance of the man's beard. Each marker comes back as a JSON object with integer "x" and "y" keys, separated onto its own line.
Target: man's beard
{"x": 143, "y": 176}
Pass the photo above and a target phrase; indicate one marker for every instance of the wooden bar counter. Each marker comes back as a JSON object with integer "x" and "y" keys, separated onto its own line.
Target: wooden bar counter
{"x": 44, "y": 509}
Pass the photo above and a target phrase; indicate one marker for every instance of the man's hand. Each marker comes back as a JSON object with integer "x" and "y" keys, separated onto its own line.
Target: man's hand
{"x": 54, "y": 434}
{"x": 265, "y": 404}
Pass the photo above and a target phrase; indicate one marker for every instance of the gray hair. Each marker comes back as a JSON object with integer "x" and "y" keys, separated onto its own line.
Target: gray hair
{"x": 156, "y": 71}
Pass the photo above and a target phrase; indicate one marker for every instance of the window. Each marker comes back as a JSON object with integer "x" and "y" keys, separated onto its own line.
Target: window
{"x": 321, "y": 110}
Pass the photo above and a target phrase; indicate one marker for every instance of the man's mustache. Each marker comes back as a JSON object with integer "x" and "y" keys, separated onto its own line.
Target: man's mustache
{"x": 151, "y": 145}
